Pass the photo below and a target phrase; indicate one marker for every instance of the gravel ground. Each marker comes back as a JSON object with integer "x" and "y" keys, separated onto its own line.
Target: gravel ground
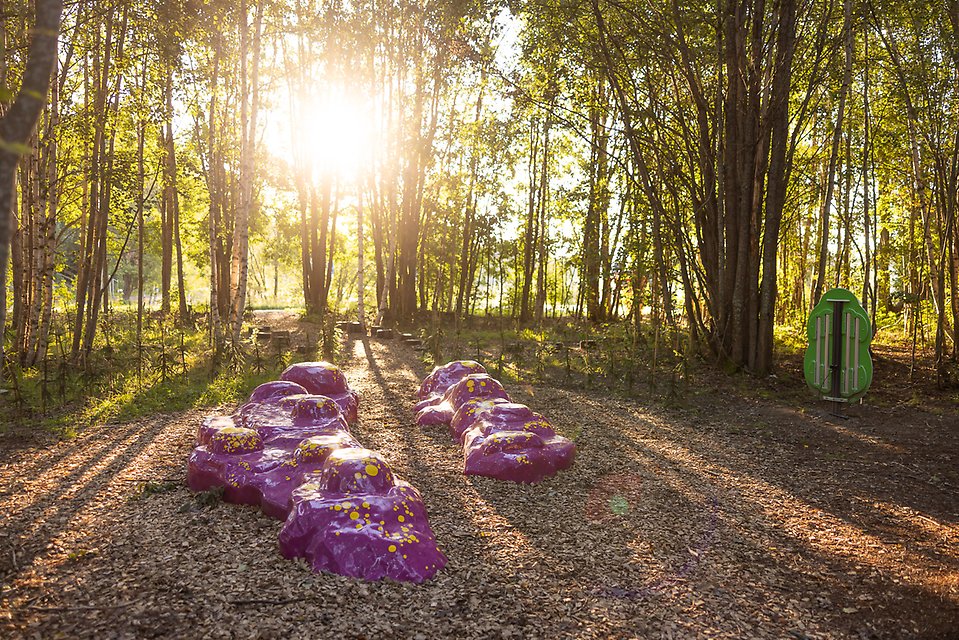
{"x": 726, "y": 517}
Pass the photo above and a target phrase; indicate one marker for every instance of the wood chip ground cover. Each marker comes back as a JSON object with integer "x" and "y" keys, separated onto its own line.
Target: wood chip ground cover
{"x": 729, "y": 517}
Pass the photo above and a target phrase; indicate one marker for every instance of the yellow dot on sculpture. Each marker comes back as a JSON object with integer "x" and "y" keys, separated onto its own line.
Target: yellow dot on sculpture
{"x": 338, "y": 508}
{"x": 391, "y": 548}
{"x": 359, "y": 526}
{"x": 372, "y": 470}
{"x": 355, "y": 515}
{"x": 401, "y": 518}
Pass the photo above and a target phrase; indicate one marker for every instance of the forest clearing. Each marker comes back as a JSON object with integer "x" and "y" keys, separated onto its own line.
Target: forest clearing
{"x": 739, "y": 509}
{"x": 474, "y": 318}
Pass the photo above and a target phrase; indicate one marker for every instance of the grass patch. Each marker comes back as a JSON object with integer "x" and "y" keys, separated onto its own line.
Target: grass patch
{"x": 172, "y": 369}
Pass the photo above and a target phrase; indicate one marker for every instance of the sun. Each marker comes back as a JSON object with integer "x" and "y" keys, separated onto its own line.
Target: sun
{"x": 337, "y": 135}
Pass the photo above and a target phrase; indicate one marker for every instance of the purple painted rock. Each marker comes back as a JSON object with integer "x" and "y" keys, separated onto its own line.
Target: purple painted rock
{"x": 477, "y": 408}
{"x": 320, "y": 378}
{"x": 517, "y": 456}
{"x": 354, "y": 518}
{"x": 444, "y": 377}
{"x": 272, "y": 392}
{"x": 514, "y": 417}
{"x": 436, "y": 411}
{"x": 432, "y": 401}
{"x": 479, "y": 385}
{"x": 211, "y": 425}
{"x": 501, "y": 439}
{"x": 276, "y": 486}
{"x": 289, "y": 451}
{"x": 349, "y": 404}
{"x": 227, "y": 461}
{"x": 434, "y": 415}
{"x": 236, "y": 459}
{"x": 325, "y": 379}
{"x": 294, "y": 418}
{"x": 277, "y": 408}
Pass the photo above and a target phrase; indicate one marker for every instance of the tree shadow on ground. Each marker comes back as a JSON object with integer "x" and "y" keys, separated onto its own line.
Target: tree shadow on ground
{"x": 748, "y": 523}
{"x": 49, "y": 507}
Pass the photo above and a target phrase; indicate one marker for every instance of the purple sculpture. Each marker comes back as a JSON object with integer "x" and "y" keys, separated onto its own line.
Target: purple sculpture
{"x": 353, "y": 517}
{"x": 501, "y": 439}
{"x": 271, "y": 392}
{"x": 289, "y": 451}
{"x": 293, "y": 418}
{"x": 325, "y": 379}
{"x": 440, "y": 409}
{"x": 442, "y": 378}
{"x": 506, "y": 447}
{"x": 260, "y": 461}
{"x": 473, "y": 410}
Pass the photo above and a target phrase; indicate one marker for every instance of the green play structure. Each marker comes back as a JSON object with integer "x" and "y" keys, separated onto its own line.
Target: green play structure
{"x": 837, "y": 364}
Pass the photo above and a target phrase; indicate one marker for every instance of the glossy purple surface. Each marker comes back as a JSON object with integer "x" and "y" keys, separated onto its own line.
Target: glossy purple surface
{"x": 442, "y": 378}
{"x": 477, "y": 408}
{"x": 276, "y": 389}
{"x": 501, "y": 439}
{"x": 255, "y": 457}
{"x": 437, "y": 410}
{"x": 289, "y": 451}
{"x": 325, "y": 379}
{"x": 505, "y": 446}
{"x": 353, "y": 517}
{"x": 476, "y": 385}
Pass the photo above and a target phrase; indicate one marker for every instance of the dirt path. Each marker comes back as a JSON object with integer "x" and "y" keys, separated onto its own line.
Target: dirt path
{"x": 724, "y": 519}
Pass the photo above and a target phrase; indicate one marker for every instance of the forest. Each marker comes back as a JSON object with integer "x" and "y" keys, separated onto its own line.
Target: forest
{"x": 625, "y": 210}
{"x": 685, "y": 168}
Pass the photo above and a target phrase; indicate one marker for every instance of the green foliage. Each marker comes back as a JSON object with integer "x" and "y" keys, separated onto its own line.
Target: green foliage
{"x": 152, "y": 488}
{"x": 203, "y": 500}
{"x": 791, "y": 338}
{"x": 463, "y": 120}
{"x": 571, "y": 353}
{"x": 171, "y": 370}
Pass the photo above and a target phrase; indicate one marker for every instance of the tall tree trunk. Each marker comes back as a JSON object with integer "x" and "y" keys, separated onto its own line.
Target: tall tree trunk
{"x": 542, "y": 257}
{"x": 249, "y": 107}
{"x": 18, "y": 121}
{"x": 598, "y": 204}
{"x": 360, "y": 264}
{"x": 531, "y": 231}
{"x": 867, "y": 259}
{"x": 49, "y": 223}
{"x": 468, "y": 224}
{"x": 834, "y": 154}
{"x": 776, "y": 182}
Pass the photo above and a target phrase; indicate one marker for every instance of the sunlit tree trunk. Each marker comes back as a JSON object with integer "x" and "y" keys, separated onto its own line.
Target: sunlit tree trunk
{"x": 542, "y": 250}
{"x": 827, "y": 203}
{"x": 531, "y": 231}
{"x": 18, "y": 120}
{"x": 776, "y": 182}
{"x": 469, "y": 230}
{"x": 249, "y": 108}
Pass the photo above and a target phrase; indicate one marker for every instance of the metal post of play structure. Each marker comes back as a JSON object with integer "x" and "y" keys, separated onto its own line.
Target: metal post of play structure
{"x": 836, "y": 356}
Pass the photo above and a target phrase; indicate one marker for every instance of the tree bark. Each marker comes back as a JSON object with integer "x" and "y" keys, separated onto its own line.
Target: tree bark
{"x": 249, "y": 107}
{"x": 826, "y": 206}
{"x": 18, "y": 121}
